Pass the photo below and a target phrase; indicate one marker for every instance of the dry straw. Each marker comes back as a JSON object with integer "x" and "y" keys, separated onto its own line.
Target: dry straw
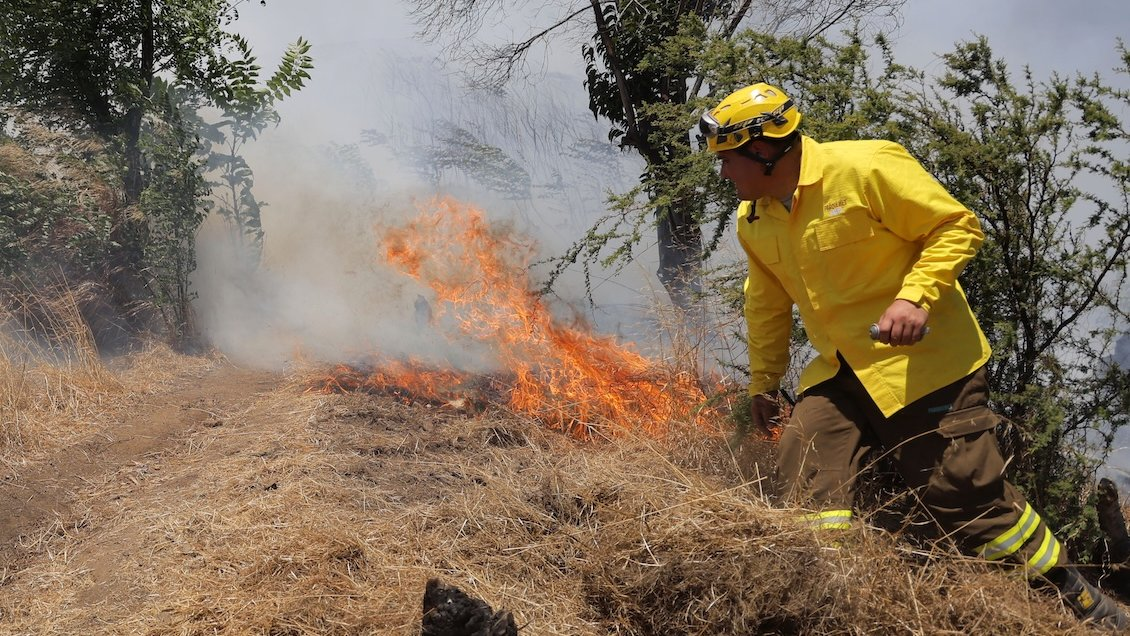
{"x": 51, "y": 376}
{"x": 299, "y": 513}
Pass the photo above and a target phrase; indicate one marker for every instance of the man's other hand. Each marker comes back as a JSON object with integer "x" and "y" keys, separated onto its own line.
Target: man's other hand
{"x": 903, "y": 323}
{"x": 765, "y": 412}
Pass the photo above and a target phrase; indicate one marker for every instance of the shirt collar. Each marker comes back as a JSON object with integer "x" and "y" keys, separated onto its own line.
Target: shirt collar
{"x": 811, "y": 171}
{"x": 811, "y": 162}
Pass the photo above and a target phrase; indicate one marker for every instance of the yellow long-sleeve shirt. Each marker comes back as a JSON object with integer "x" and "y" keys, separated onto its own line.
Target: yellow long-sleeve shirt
{"x": 867, "y": 225}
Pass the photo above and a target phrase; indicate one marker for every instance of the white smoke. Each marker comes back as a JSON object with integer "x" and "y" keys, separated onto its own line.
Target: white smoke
{"x": 367, "y": 154}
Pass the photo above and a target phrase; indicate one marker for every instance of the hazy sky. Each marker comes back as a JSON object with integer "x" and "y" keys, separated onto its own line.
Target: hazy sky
{"x": 1048, "y": 35}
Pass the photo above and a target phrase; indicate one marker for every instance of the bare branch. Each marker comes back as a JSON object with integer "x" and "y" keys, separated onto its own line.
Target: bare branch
{"x": 496, "y": 65}
{"x": 447, "y": 16}
{"x": 806, "y": 19}
{"x": 739, "y": 15}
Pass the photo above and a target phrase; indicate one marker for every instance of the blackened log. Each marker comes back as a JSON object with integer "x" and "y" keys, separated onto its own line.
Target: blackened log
{"x": 1112, "y": 522}
{"x": 448, "y": 611}
{"x": 1117, "y": 541}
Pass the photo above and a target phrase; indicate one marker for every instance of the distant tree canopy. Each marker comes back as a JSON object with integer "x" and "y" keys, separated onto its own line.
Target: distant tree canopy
{"x": 130, "y": 74}
{"x": 1045, "y": 166}
{"x": 98, "y": 59}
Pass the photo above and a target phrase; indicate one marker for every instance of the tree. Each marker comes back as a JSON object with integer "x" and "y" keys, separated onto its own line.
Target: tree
{"x": 97, "y": 60}
{"x": 248, "y": 109}
{"x": 92, "y": 65}
{"x": 632, "y": 77}
{"x": 172, "y": 203}
{"x": 1044, "y": 164}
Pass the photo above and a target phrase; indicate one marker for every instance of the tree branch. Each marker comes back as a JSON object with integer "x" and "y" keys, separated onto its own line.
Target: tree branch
{"x": 506, "y": 59}
{"x": 614, "y": 66}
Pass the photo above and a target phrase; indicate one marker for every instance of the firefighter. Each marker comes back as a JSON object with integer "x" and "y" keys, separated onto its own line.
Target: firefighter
{"x": 855, "y": 233}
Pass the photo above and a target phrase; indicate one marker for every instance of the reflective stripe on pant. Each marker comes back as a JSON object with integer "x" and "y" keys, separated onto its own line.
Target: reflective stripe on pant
{"x": 1047, "y": 553}
{"x": 945, "y": 450}
{"x": 829, "y": 519}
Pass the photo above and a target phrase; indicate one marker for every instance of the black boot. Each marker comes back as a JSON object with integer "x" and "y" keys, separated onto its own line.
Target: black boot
{"x": 1085, "y": 600}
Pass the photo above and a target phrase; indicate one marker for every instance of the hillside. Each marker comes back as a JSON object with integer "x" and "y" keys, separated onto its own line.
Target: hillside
{"x": 197, "y": 497}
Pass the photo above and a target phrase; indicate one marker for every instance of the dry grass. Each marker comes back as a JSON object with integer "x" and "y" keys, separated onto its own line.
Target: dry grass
{"x": 16, "y": 161}
{"x": 49, "y": 157}
{"x": 51, "y": 377}
{"x": 310, "y": 514}
{"x": 297, "y": 513}
{"x": 54, "y": 385}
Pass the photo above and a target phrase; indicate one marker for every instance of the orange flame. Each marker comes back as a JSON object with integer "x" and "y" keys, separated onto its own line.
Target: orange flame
{"x": 564, "y": 376}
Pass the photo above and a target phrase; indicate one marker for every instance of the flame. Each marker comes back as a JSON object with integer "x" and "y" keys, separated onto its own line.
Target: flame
{"x": 564, "y": 376}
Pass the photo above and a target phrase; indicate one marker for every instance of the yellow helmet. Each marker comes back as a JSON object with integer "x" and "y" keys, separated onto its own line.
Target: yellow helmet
{"x": 758, "y": 110}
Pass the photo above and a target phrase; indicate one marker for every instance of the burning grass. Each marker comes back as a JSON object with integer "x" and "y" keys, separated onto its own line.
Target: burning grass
{"x": 565, "y": 376}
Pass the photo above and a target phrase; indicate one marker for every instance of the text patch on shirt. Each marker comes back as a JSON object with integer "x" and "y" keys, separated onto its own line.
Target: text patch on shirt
{"x": 835, "y": 207}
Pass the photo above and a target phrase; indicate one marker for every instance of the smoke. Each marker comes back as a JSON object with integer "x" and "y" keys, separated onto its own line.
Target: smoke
{"x": 319, "y": 291}
{"x": 350, "y": 159}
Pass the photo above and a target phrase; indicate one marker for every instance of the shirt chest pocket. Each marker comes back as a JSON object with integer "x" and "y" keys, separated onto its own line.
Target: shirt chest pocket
{"x": 842, "y": 230}
{"x": 849, "y": 259}
{"x": 766, "y": 250}
{"x": 760, "y": 240}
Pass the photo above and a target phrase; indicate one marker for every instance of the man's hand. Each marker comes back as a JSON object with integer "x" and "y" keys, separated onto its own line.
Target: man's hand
{"x": 903, "y": 323}
{"x": 765, "y": 412}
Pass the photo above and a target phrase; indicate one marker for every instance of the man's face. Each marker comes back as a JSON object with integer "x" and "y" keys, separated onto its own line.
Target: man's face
{"x": 747, "y": 175}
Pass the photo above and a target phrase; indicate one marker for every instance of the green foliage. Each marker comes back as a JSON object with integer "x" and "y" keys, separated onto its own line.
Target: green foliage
{"x": 103, "y": 65}
{"x": 1043, "y": 164}
{"x": 55, "y": 196}
{"x": 293, "y": 71}
{"x": 87, "y": 54}
{"x": 248, "y": 109}
{"x": 173, "y": 205}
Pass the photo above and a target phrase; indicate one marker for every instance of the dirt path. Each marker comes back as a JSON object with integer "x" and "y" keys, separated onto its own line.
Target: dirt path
{"x": 43, "y": 498}
{"x": 171, "y": 516}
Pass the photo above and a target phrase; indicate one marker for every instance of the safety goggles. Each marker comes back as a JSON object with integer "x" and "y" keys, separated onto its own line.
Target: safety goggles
{"x": 710, "y": 128}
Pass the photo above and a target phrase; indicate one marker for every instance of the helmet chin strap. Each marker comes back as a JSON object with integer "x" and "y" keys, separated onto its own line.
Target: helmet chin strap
{"x": 768, "y": 162}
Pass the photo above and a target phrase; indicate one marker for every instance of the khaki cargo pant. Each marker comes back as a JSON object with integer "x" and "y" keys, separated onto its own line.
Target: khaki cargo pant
{"x": 945, "y": 449}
